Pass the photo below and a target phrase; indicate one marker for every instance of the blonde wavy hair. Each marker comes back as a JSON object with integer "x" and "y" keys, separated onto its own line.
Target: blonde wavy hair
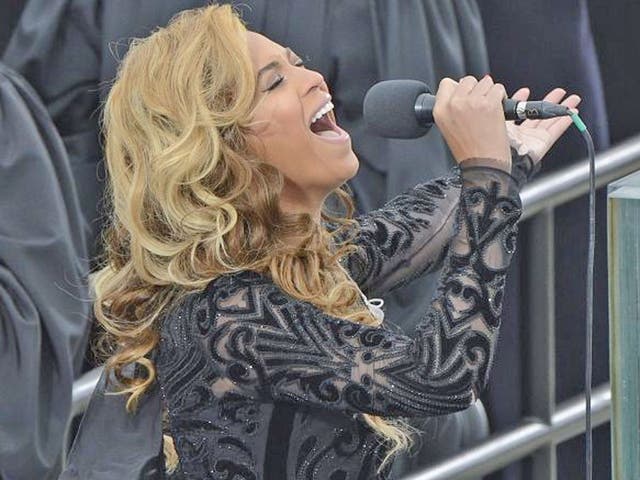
{"x": 188, "y": 200}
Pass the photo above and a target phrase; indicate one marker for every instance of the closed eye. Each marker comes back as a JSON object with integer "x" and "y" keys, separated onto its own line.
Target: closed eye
{"x": 281, "y": 78}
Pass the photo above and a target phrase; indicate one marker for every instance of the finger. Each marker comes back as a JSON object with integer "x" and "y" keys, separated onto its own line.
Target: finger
{"x": 572, "y": 101}
{"x": 467, "y": 84}
{"x": 555, "y": 95}
{"x": 446, "y": 88}
{"x": 483, "y": 86}
{"x": 558, "y": 125}
{"x": 497, "y": 93}
{"x": 522, "y": 95}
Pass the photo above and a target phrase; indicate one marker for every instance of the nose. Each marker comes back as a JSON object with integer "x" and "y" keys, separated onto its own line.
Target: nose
{"x": 313, "y": 80}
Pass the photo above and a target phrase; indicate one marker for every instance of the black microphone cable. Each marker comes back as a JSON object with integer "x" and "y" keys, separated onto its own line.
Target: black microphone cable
{"x": 582, "y": 128}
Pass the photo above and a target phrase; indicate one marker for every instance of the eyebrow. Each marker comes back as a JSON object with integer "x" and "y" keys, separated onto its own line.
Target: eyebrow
{"x": 273, "y": 63}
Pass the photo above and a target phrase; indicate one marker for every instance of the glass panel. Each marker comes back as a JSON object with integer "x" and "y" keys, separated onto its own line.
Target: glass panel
{"x": 624, "y": 327}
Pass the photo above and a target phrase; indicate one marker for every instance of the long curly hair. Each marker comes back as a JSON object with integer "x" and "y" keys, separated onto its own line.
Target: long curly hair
{"x": 188, "y": 200}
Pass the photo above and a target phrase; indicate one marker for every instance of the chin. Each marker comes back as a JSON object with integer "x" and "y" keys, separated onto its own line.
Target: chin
{"x": 349, "y": 166}
{"x": 354, "y": 163}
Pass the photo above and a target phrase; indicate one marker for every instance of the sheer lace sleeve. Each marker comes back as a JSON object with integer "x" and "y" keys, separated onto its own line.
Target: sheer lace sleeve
{"x": 406, "y": 238}
{"x": 244, "y": 335}
{"x": 410, "y": 234}
{"x": 524, "y": 168}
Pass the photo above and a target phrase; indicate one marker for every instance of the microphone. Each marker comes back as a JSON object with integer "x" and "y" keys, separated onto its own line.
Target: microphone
{"x": 404, "y": 109}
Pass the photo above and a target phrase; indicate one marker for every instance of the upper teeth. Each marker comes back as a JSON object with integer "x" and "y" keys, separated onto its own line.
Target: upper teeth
{"x": 326, "y": 109}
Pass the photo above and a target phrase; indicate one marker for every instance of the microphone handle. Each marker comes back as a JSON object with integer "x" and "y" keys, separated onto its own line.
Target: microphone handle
{"x": 513, "y": 109}
{"x": 538, "y": 109}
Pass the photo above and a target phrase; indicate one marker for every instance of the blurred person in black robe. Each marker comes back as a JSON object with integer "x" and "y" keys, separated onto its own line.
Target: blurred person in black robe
{"x": 9, "y": 13}
{"x": 44, "y": 304}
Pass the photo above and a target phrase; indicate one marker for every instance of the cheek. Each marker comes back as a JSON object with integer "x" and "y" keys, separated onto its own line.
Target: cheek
{"x": 282, "y": 118}
{"x": 283, "y": 134}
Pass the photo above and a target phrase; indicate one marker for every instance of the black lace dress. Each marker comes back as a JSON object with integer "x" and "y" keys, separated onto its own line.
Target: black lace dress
{"x": 259, "y": 385}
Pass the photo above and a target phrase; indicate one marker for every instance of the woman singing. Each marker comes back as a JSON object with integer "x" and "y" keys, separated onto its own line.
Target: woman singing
{"x": 231, "y": 284}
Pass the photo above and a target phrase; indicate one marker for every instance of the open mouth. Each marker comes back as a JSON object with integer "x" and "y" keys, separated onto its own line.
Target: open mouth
{"x": 326, "y": 126}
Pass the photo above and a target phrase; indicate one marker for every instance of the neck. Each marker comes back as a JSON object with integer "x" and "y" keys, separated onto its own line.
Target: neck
{"x": 295, "y": 200}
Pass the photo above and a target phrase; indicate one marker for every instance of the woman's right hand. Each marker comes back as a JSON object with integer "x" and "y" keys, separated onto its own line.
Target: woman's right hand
{"x": 471, "y": 119}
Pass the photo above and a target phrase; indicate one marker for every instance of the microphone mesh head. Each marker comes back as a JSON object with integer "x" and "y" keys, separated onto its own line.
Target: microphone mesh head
{"x": 389, "y": 108}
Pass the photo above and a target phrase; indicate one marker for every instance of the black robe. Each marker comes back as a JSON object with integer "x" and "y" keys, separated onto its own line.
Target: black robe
{"x": 44, "y": 302}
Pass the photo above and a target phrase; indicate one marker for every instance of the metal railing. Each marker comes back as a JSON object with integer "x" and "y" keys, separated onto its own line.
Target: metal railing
{"x": 547, "y": 424}
{"x": 532, "y": 434}
{"x": 560, "y": 187}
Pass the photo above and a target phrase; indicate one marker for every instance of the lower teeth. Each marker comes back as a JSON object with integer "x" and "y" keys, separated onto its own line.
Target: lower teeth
{"x": 328, "y": 133}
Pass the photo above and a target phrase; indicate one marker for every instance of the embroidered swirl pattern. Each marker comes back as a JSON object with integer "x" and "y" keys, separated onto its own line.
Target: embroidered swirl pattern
{"x": 259, "y": 385}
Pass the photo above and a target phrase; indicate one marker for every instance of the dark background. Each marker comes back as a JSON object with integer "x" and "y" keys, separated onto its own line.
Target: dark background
{"x": 614, "y": 24}
{"x": 617, "y": 37}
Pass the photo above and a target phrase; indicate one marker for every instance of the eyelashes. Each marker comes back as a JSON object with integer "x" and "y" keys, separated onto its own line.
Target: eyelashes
{"x": 276, "y": 83}
{"x": 281, "y": 78}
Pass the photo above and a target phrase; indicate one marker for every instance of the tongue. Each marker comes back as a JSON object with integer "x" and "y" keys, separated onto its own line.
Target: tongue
{"x": 328, "y": 133}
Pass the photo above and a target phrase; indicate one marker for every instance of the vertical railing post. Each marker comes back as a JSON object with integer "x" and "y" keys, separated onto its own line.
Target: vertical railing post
{"x": 539, "y": 324}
